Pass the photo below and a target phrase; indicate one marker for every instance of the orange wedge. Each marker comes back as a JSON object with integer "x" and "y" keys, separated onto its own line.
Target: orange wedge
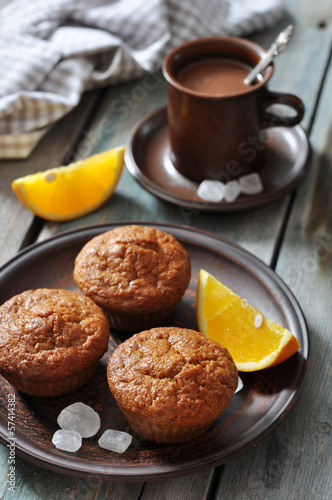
{"x": 253, "y": 341}
{"x": 71, "y": 191}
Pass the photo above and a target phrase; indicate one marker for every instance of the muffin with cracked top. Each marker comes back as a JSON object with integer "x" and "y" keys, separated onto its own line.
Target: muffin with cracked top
{"x": 51, "y": 341}
{"x": 171, "y": 383}
{"x": 136, "y": 273}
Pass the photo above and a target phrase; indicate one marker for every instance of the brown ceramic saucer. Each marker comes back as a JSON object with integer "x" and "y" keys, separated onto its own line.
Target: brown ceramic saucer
{"x": 147, "y": 159}
{"x": 266, "y": 399}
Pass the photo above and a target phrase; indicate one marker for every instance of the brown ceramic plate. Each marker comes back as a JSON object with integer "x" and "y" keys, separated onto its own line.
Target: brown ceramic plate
{"x": 264, "y": 402}
{"x": 148, "y": 160}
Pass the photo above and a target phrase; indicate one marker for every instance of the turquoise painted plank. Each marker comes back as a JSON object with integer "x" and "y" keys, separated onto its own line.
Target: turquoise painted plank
{"x": 295, "y": 461}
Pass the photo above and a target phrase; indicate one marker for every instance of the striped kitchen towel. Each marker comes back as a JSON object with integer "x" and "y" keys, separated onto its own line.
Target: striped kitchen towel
{"x": 51, "y": 51}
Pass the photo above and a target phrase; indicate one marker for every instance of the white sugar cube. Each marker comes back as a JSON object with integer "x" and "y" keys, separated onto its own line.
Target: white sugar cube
{"x": 232, "y": 191}
{"x": 113, "y": 440}
{"x": 67, "y": 440}
{"x": 210, "y": 190}
{"x": 251, "y": 184}
{"x": 81, "y": 418}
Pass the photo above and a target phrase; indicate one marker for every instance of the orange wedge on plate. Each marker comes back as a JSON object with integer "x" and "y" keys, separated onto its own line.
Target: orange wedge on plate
{"x": 254, "y": 341}
{"x": 74, "y": 190}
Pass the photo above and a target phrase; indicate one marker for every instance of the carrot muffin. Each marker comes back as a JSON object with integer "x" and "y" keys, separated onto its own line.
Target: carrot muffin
{"x": 171, "y": 383}
{"x": 137, "y": 274}
{"x": 50, "y": 341}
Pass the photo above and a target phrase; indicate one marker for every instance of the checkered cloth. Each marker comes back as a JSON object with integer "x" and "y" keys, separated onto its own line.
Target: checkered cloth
{"x": 51, "y": 51}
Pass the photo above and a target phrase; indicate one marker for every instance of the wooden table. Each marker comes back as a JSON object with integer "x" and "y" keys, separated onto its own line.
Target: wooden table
{"x": 292, "y": 235}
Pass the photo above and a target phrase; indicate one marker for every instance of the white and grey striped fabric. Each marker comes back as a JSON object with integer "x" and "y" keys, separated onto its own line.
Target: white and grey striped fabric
{"x": 51, "y": 51}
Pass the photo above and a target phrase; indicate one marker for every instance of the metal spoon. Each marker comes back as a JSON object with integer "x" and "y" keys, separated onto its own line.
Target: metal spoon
{"x": 279, "y": 45}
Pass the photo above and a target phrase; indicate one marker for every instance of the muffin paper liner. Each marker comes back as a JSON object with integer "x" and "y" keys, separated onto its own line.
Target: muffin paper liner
{"x": 54, "y": 388}
{"x": 164, "y": 434}
{"x": 134, "y": 323}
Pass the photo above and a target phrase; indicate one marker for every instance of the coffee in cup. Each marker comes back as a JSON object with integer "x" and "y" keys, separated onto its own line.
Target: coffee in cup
{"x": 217, "y": 122}
{"x": 214, "y": 76}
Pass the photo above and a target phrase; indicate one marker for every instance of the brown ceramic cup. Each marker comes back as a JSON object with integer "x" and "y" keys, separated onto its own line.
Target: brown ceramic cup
{"x": 216, "y": 135}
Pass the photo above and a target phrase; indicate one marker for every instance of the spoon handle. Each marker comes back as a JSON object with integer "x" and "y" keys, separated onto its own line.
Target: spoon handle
{"x": 279, "y": 45}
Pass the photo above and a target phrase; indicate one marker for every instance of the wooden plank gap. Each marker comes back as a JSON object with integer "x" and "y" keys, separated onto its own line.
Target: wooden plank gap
{"x": 32, "y": 233}
{"x": 142, "y": 492}
{"x": 320, "y": 90}
{"x": 282, "y": 230}
{"x": 72, "y": 152}
{"x": 214, "y": 483}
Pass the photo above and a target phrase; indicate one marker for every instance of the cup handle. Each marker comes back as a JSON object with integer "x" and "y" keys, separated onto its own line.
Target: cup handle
{"x": 274, "y": 119}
